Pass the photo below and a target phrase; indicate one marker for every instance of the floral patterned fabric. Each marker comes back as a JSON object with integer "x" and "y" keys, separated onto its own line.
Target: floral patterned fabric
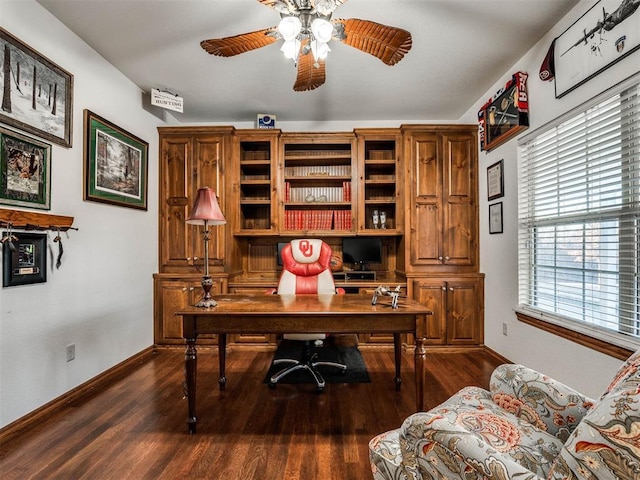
{"x": 528, "y": 426}
{"x": 606, "y": 444}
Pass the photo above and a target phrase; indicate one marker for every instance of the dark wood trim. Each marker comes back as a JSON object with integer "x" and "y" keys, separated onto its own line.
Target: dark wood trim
{"x": 81, "y": 392}
{"x": 577, "y": 337}
{"x": 495, "y": 355}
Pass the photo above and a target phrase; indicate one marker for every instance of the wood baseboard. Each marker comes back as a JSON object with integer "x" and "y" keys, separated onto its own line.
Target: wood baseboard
{"x": 496, "y": 355}
{"x": 81, "y": 392}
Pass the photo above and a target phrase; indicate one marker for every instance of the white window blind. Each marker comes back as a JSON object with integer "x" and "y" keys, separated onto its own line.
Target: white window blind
{"x": 578, "y": 212}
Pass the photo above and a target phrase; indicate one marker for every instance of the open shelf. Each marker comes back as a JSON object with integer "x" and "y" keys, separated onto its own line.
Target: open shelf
{"x": 34, "y": 220}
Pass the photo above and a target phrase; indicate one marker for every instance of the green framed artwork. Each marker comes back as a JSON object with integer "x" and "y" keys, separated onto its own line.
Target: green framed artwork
{"x": 116, "y": 163}
{"x": 25, "y": 171}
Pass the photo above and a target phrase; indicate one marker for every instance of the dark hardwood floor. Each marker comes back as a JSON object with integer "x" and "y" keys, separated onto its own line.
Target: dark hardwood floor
{"x": 136, "y": 427}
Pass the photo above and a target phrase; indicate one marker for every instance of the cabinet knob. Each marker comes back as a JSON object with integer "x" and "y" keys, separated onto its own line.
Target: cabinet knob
{"x": 195, "y": 258}
{"x": 446, "y": 258}
{"x": 440, "y": 258}
{"x": 451, "y": 289}
{"x": 184, "y": 289}
{"x": 189, "y": 258}
{"x": 444, "y": 288}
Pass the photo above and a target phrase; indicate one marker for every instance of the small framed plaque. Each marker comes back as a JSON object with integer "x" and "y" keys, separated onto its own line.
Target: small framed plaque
{"x": 495, "y": 218}
{"x": 24, "y": 260}
{"x": 495, "y": 180}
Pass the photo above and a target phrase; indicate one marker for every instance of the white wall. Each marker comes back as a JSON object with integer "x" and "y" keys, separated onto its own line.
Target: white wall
{"x": 580, "y": 367}
{"x": 101, "y": 298}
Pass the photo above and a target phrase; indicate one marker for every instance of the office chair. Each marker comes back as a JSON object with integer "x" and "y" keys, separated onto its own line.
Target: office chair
{"x": 306, "y": 270}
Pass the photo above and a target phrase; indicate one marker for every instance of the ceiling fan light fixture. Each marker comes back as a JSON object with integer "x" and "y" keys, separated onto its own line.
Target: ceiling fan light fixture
{"x": 325, "y": 7}
{"x": 291, "y": 49}
{"x": 322, "y": 29}
{"x": 281, "y": 7}
{"x": 289, "y": 28}
{"x": 320, "y": 50}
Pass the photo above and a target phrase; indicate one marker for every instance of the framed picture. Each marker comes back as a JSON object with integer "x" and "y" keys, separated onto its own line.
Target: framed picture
{"x": 37, "y": 95}
{"x": 115, "y": 169}
{"x": 24, "y": 260}
{"x": 495, "y": 180}
{"x": 25, "y": 171}
{"x": 495, "y": 218}
{"x": 506, "y": 114}
{"x": 608, "y": 32}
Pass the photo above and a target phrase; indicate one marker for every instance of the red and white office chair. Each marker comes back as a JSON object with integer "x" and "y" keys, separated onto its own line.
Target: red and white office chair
{"x": 306, "y": 270}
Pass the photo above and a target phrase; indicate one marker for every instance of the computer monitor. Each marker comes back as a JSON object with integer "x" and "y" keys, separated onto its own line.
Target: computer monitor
{"x": 280, "y": 247}
{"x": 361, "y": 251}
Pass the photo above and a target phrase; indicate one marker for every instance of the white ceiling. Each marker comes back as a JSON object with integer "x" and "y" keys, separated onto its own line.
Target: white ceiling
{"x": 460, "y": 49}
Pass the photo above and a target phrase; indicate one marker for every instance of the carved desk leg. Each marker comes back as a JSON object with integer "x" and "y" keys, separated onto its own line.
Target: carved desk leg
{"x": 190, "y": 367}
{"x": 420, "y": 356}
{"x": 398, "y": 357}
{"x": 222, "y": 360}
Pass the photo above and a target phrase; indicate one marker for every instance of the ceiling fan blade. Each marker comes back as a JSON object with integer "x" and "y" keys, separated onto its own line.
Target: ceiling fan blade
{"x": 309, "y": 75}
{"x": 245, "y": 42}
{"x": 389, "y": 44}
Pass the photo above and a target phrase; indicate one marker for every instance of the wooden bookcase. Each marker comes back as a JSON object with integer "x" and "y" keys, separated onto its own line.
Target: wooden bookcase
{"x": 256, "y": 152}
{"x": 380, "y": 181}
{"x": 318, "y": 177}
{"x": 274, "y": 186}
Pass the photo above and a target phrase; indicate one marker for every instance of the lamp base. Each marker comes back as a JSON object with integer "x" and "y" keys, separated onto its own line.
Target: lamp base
{"x": 207, "y": 300}
{"x": 206, "y": 303}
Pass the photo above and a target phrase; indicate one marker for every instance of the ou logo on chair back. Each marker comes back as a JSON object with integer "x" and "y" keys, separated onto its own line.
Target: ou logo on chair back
{"x": 306, "y": 248}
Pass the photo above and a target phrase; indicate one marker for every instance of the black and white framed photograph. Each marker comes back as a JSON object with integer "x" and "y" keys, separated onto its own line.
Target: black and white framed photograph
{"x": 24, "y": 259}
{"x": 608, "y": 32}
{"x": 495, "y": 218}
{"x": 495, "y": 180}
{"x": 37, "y": 95}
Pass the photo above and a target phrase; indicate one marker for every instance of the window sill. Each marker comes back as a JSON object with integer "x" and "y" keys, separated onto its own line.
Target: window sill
{"x": 579, "y": 338}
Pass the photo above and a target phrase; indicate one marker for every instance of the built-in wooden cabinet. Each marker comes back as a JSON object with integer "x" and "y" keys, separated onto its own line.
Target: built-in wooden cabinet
{"x": 174, "y": 292}
{"x": 444, "y": 214}
{"x": 190, "y": 159}
{"x": 418, "y": 181}
{"x": 457, "y": 304}
{"x": 441, "y": 246}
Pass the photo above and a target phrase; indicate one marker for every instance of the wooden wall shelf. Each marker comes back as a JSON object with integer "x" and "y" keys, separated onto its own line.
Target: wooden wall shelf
{"x": 34, "y": 220}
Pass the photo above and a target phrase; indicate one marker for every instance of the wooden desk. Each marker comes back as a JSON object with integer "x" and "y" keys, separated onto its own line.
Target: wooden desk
{"x": 300, "y": 314}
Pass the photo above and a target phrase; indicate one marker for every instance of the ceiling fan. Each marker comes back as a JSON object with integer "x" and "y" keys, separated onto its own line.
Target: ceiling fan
{"x": 306, "y": 28}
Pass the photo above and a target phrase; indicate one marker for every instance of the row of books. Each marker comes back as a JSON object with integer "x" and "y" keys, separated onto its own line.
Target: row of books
{"x": 317, "y": 194}
{"x": 317, "y": 220}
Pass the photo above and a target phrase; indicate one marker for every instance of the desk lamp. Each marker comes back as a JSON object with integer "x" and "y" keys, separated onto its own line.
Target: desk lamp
{"x": 206, "y": 211}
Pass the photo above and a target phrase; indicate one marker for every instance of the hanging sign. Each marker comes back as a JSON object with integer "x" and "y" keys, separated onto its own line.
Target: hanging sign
{"x": 166, "y": 100}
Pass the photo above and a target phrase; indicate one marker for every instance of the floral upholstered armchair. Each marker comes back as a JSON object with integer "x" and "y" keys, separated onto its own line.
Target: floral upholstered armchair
{"x": 528, "y": 426}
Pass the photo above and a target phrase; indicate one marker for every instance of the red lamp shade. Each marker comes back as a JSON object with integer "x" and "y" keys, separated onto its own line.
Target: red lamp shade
{"x": 206, "y": 209}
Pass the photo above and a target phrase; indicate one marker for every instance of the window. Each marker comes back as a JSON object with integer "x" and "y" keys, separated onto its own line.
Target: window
{"x": 579, "y": 214}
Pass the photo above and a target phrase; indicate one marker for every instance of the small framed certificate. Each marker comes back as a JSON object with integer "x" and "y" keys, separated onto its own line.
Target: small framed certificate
{"x": 495, "y": 180}
{"x": 495, "y": 218}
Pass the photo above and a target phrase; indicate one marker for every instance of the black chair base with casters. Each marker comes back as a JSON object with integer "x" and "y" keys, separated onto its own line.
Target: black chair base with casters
{"x": 306, "y": 362}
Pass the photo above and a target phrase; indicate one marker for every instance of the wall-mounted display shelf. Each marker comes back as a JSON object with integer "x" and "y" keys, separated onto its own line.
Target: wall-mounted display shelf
{"x": 34, "y": 220}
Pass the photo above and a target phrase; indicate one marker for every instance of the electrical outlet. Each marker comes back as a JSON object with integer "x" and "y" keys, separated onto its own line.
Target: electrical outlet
{"x": 504, "y": 328}
{"x": 71, "y": 352}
